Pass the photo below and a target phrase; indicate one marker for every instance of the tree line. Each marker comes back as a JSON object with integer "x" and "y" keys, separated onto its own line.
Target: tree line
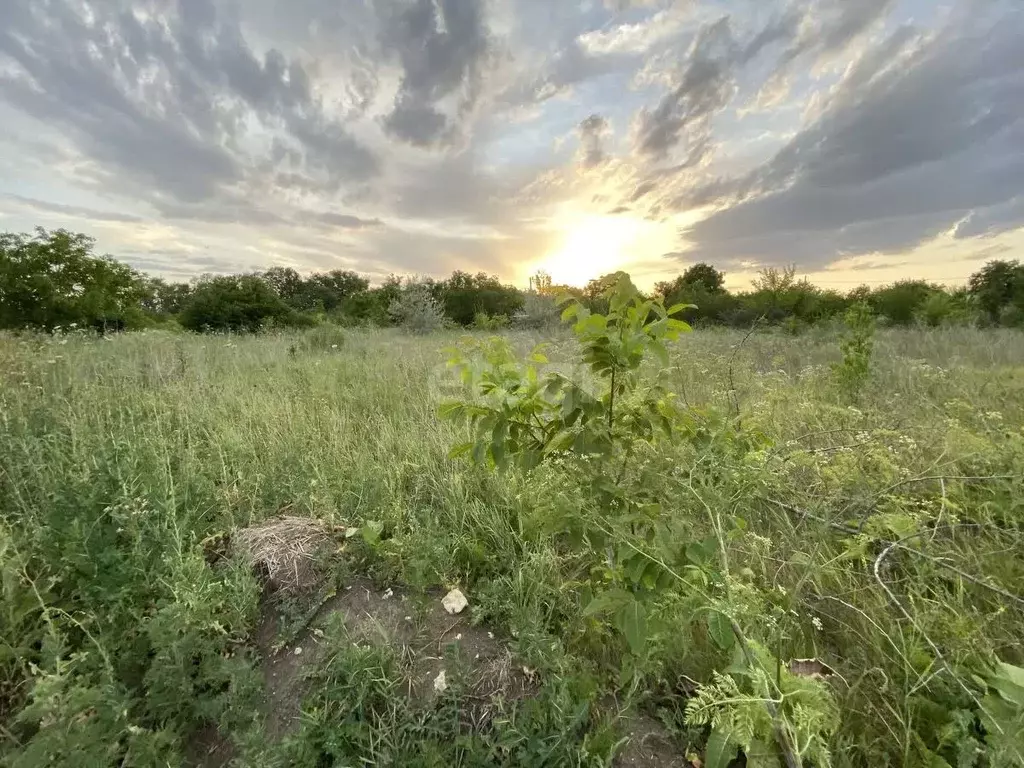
{"x": 53, "y": 279}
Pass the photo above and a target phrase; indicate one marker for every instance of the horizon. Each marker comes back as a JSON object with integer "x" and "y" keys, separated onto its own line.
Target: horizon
{"x": 865, "y": 143}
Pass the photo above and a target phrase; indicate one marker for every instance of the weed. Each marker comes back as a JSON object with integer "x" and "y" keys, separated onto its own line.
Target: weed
{"x": 857, "y": 345}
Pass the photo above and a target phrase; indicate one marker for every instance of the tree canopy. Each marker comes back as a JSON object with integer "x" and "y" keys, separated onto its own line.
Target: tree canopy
{"x": 54, "y": 279}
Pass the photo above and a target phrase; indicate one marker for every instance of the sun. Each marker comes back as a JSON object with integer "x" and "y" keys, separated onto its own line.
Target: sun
{"x": 595, "y": 245}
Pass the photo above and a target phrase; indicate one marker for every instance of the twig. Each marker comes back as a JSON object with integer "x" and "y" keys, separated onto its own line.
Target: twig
{"x": 781, "y": 737}
{"x": 913, "y": 622}
{"x": 733, "y": 398}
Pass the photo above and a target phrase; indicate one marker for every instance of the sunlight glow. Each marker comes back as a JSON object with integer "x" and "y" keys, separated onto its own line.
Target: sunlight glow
{"x": 595, "y": 245}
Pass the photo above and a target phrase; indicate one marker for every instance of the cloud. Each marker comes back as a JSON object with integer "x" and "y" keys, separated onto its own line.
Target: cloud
{"x": 592, "y": 133}
{"x": 70, "y": 211}
{"x": 442, "y": 47}
{"x": 174, "y": 107}
{"x": 899, "y": 154}
{"x": 426, "y": 134}
{"x": 704, "y": 87}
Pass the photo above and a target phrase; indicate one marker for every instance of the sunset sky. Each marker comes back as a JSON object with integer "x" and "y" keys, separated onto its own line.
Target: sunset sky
{"x": 862, "y": 140}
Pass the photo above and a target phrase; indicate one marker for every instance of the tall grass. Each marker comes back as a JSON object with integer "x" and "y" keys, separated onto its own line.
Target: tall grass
{"x": 119, "y": 456}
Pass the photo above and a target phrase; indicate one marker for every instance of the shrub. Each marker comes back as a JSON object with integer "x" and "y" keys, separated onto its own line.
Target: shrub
{"x": 539, "y": 311}
{"x": 416, "y": 310}
{"x": 323, "y": 338}
{"x": 484, "y": 322}
{"x": 235, "y": 303}
{"x": 857, "y": 346}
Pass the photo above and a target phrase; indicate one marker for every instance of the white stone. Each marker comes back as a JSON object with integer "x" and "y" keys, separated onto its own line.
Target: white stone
{"x": 298, "y": 651}
{"x": 441, "y": 682}
{"x": 455, "y": 602}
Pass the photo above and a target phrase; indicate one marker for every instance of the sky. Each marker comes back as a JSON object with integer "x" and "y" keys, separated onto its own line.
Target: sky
{"x": 863, "y": 141}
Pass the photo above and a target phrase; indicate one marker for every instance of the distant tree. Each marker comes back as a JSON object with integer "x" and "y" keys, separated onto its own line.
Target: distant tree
{"x": 901, "y": 302}
{"x": 331, "y": 289}
{"x": 53, "y": 279}
{"x": 238, "y": 303}
{"x": 996, "y": 286}
{"x": 705, "y": 275}
{"x": 164, "y": 299}
{"x": 463, "y": 296}
{"x": 703, "y": 286}
{"x": 540, "y": 283}
{"x": 290, "y": 287}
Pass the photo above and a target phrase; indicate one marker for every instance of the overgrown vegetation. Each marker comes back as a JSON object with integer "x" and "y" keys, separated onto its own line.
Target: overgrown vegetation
{"x": 717, "y": 539}
{"x": 777, "y": 550}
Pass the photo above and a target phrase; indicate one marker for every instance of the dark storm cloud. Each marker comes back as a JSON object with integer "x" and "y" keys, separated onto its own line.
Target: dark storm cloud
{"x": 907, "y": 148}
{"x": 705, "y": 86}
{"x": 442, "y": 47}
{"x": 165, "y": 103}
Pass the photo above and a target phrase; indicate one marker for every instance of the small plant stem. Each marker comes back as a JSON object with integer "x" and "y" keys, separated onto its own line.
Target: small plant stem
{"x": 611, "y": 402}
{"x": 790, "y": 755}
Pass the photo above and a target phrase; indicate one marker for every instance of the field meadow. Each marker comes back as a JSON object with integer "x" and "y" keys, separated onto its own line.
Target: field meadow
{"x": 867, "y": 545}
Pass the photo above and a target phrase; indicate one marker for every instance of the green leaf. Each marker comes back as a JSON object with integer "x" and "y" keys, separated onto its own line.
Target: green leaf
{"x": 608, "y": 601}
{"x": 451, "y": 410}
{"x": 632, "y": 622}
{"x": 371, "y": 531}
{"x": 720, "y": 751}
{"x": 720, "y": 629}
{"x": 679, "y": 308}
{"x": 460, "y": 450}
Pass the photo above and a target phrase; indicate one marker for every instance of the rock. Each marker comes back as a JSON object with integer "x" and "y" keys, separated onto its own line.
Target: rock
{"x": 298, "y": 651}
{"x": 441, "y": 682}
{"x": 455, "y": 602}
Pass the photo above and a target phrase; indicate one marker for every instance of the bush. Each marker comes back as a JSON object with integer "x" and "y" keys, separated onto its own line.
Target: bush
{"x": 857, "y": 346}
{"x": 484, "y": 322}
{"x": 236, "y": 303}
{"x": 539, "y": 311}
{"x": 416, "y": 310}
{"x": 323, "y": 338}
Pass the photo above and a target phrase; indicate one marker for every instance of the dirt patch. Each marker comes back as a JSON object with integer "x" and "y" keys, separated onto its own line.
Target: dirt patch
{"x": 425, "y": 636}
{"x": 650, "y": 744}
{"x": 208, "y": 748}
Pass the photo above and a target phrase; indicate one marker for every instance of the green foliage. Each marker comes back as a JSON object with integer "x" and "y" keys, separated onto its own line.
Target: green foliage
{"x": 857, "y": 346}
{"x": 416, "y": 310}
{"x": 325, "y": 337}
{"x": 998, "y": 288}
{"x": 244, "y": 303}
{"x": 52, "y": 280}
{"x": 524, "y": 418}
{"x": 540, "y": 311}
{"x": 734, "y": 706}
{"x": 761, "y": 518}
{"x": 463, "y": 297}
{"x": 484, "y": 322}
{"x": 901, "y": 303}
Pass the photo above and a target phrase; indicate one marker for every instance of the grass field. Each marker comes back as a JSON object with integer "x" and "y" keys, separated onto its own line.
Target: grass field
{"x": 123, "y": 642}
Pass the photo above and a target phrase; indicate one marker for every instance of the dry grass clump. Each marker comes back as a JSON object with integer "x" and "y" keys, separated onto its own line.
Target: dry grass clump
{"x": 284, "y": 551}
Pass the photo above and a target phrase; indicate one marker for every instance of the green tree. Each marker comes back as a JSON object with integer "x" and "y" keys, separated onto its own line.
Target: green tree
{"x": 463, "y": 296}
{"x": 164, "y": 299}
{"x": 996, "y": 286}
{"x": 236, "y": 303}
{"x": 53, "y": 279}
{"x": 901, "y": 302}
